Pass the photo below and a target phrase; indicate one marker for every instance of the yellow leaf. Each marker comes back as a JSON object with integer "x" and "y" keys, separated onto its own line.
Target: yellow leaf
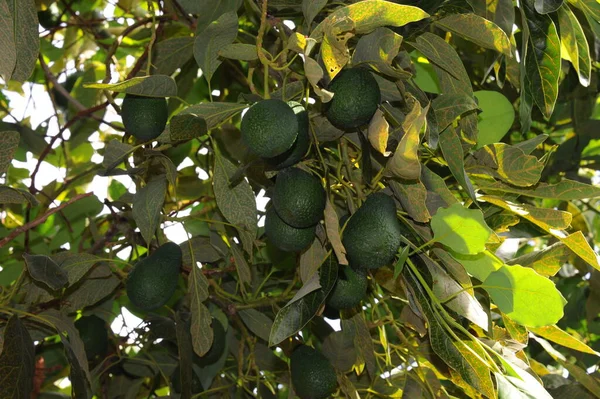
{"x": 379, "y": 132}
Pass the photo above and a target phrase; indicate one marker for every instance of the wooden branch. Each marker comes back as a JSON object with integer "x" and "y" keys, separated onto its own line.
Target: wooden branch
{"x": 40, "y": 220}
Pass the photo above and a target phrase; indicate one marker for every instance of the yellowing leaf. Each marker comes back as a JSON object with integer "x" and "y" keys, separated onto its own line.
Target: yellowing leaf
{"x": 561, "y": 337}
{"x": 150, "y": 86}
{"x": 334, "y": 49}
{"x": 478, "y": 30}
{"x": 379, "y": 133}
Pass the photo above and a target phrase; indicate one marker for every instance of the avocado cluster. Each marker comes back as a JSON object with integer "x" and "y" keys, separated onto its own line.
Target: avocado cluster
{"x": 313, "y": 376}
{"x": 144, "y": 118}
{"x": 154, "y": 279}
{"x": 297, "y": 207}
{"x": 277, "y": 132}
{"x": 355, "y": 100}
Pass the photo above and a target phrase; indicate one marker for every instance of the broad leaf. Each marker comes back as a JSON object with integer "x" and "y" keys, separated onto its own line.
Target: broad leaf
{"x": 496, "y": 118}
{"x": 202, "y": 334}
{"x": 197, "y": 120}
{"x": 480, "y": 265}
{"x": 26, "y": 37}
{"x": 450, "y": 106}
{"x": 115, "y": 152}
{"x": 453, "y": 154}
{"x": 525, "y": 296}
{"x": 17, "y": 361}
{"x": 7, "y": 42}
{"x": 311, "y": 8}
{"x": 561, "y": 337}
{"x": 216, "y": 36}
{"x": 238, "y": 51}
{"x": 478, "y": 30}
{"x": 147, "y": 86}
{"x": 203, "y": 251}
{"x": 378, "y": 133}
{"x": 574, "y": 44}
{"x": 311, "y": 260}
{"x": 566, "y": 190}
{"x": 257, "y": 322}
{"x": 9, "y": 195}
{"x": 9, "y": 142}
{"x": 405, "y": 161}
{"x": 464, "y": 230}
{"x": 43, "y": 269}
{"x": 547, "y": 261}
{"x": 413, "y": 197}
{"x": 147, "y": 206}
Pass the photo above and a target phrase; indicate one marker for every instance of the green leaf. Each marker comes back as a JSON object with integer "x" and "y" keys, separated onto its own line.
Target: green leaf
{"x": 115, "y": 153}
{"x": 147, "y": 205}
{"x": 241, "y": 266}
{"x": 399, "y": 265}
{"x": 9, "y": 142}
{"x": 464, "y": 230}
{"x": 514, "y": 166}
{"x": 477, "y": 30}
{"x": 435, "y": 184}
{"x": 405, "y": 161}
{"x": 311, "y": 260}
{"x": 496, "y": 118}
{"x": 239, "y": 51}
{"x": 7, "y": 42}
{"x": 197, "y": 120}
{"x": 311, "y": 8}
{"x": 450, "y": 106}
{"x": 202, "y": 334}
{"x": 547, "y": 6}
{"x": 17, "y": 361}
{"x": 295, "y": 315}
{"x": 542, "y": 59}
{"x": 216, "y": 36}
{"x": 561, "y": 337}
{"x": 565, "y": 190}
{"x": 453, "y": 154}
{"x": 528, "y": 146}
{"x": 26, "y": 37}
{"x": 43, "y": 269}
{"x": 203, "y": 251}
{"x": 75, "y": 265}
{"x": 378, "y": 49}
{"x": 525, "y": 296}
{"x": 9, "y": 195}
{"x": 98, "y": 284}
{"x": 236, "y": 203}
{"x": 171, "y": 54}
{"x": 480, "y": 265}
{"x": 210, "y": 10}
{"x": 574, "y": 44}
{"x": 547, "y": 261}
{"x": 148, "y": 86}
{"x": 413, "y": 197}
{"x": 371, "y": 14}
{"x": 257, "y": 322}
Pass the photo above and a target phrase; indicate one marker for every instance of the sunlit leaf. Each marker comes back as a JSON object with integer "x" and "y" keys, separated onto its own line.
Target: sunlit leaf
{"x": 464, "y": 230}
{"x": 149, "y": 86}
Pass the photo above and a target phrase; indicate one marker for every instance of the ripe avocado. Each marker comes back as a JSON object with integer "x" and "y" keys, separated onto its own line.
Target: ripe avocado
{"x": 176, "y": 381}
{"x": 300, "y": 146}
{"x": 144, "y": 118}
{"x": 313, "y": 377}
{"x": 153, "y": 280}
{"x": 355, "y": 100}
{"x": 93, "y": 333}
{"x": 284, "y": 236}
{"x": 218, "y": 345}
{"x": 269, "y": 128}
{"x": 372, "y": 235}
{"x": 349, "y": 289}
{"x": 299, "y": 198}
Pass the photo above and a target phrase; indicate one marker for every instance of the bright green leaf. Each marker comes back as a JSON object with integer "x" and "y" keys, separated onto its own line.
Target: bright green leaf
{"x": 464, "y": 230}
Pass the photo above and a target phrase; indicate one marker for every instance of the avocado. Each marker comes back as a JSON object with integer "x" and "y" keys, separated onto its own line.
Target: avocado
{"x": 218, "y": 345}
{"x": 286, "y": 237}
{"x": 299, "y": 198}
{"x": 372, "y": 235}
{"x": 313, "y": 377}
{"x": 154, "y": 279}
{"x": 176, "y": 381}
{"x": 93, "y": 331}
{"x": 349, "y": 289}
{"x": 300, "y": 146}
{"x": 269, "y": 128}
{"x": 144, "y": 118}
{"x": 47, "y": 19}
{"x": 355, "y": 100}
{"x": 60, "y": 100}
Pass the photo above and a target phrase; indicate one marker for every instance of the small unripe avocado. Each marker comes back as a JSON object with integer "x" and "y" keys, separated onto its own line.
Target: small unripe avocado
{"x": 176, "y": 381}
{"x": 154, "y": 279}
{"x": 144, "y": 118}
{"x": 355, "y": 100}
{"x": 349, "y": 289}
{"x": 286, "y": 237}
{"x": 300, "y": 146}
{"x": 313, "y": 377}
{"x": 269, "y": 128}
{"x": 299, "y": 198}
{"x": 373, "y": 234}
{"x": 93, "y": 333}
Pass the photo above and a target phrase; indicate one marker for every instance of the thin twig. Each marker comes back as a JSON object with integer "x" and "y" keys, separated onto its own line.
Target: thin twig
{"x": 40, "y": 220}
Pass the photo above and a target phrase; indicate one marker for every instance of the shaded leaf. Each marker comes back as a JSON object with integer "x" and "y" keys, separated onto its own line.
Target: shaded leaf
{"x": 171, "y": 54}
{"x": 478, "y": 30}
{"x": 26, "y": 37}
{"x": 464, "y": 230}
{"x": 311, "y": 8}
{"x": 202, "y": 249}
{"x": 311, "y": 260}
{"x": 187, "y": 127}
{"x": 413, "y": 197}
{"x": 202, "y": 334}
{"x": 450, "y": 106}
{"x": 239, "y": 51}
{"x": 147, "y": 205}
{"x": 525, "y": 296}
{"x": 216, "y": 36}
{"x": 115, "y": 152}
{"x": 147, "y": 86}
{"x": 257, "y": 322}
{"x": 338, "y": 347}
{"x": 98, "y": 285}
{"x": 362, "y": 341}
{"x": 9, "y": 142}
{"x": 241, "y": 266}
{"x": 187, "y": 124}
{"x": 9, "y": 195}
{"x": 43, "y": 269}
{"x": 332, "y": 224}
{"x": 566, "y": 190}
{"x": 453, "y": 154}
{"x": 17, "y": 361}
{"x": 378, "y": 49}
{"x": 7, "y": 42}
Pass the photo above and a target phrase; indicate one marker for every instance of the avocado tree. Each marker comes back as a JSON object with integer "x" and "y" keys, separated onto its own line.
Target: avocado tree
{"x": 299, "y": 198}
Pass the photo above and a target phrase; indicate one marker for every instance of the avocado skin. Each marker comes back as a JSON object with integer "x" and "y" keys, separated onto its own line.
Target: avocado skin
{"x": 299, "y": 198}
{"x": 218, "y": 345}
{"x": 94, "y": 334}
{"x": 355, "y": 100}
{"x": 154, "y": 279}
{"x": 144, "y": 118}
{"x": 269, "y": 128}
{"x": 373, "y": 234}
{"x": 349, "y": 289}
{"x": 284, "y": 236}
{"x": 300, "y": 146}
{"x": 313, "y": 377}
